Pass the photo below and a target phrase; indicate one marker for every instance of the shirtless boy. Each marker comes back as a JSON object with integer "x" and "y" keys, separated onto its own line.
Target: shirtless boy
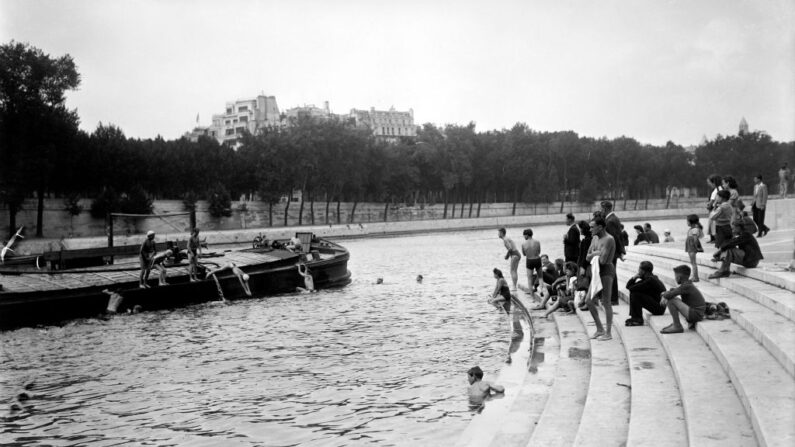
{"x": 479, "y": 389}
{"x": 532, "y": 251}
{"x": 512, "y": 254}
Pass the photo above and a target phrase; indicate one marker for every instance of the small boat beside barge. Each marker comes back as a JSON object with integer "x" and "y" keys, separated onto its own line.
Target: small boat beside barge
{"x": 71, "y": 283}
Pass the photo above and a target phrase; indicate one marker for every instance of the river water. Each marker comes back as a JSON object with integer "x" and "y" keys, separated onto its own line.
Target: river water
{"x": 363, "y": 365}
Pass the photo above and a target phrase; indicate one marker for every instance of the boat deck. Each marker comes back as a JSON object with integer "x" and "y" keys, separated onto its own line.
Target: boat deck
{"x": 126, "y": 270}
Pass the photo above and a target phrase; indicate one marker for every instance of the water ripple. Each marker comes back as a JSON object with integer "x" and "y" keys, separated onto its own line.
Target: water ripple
{"x": 364, "y": 365}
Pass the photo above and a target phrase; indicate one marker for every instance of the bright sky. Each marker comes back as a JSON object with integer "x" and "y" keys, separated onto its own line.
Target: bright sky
{"x": 654, "y": 70}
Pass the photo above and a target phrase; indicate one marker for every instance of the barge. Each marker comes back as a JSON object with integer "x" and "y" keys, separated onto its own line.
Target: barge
{"x": 59, "y": 286}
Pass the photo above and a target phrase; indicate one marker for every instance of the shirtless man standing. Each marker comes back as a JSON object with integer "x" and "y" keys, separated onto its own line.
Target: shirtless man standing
{"x": 513, "y": 254}
{"x": 479, "y": 389}
{"x": 602, "y": 250}
{"x": 532, "y": 251}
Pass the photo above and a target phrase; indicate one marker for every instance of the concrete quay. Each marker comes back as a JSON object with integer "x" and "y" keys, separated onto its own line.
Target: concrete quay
{"x": 344, "y": 231}
{"x": 729, "y": 382}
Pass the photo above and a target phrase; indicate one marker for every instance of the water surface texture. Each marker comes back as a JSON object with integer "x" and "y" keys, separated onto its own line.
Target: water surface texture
{"x": 363, "y": 365}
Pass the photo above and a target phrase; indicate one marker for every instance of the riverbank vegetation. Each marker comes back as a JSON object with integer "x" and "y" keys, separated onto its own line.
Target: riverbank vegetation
{"x": 44, "y": 153}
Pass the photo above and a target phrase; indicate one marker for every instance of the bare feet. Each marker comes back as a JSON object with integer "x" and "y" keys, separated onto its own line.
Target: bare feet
{"x": 597, "y": 334}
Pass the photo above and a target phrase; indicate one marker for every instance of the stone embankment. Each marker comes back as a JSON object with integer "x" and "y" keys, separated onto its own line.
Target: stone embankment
{"x": 728, "y": 382}
{"x": 374, "y": 229}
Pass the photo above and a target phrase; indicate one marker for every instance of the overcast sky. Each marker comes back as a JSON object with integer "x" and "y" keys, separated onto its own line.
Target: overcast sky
{"x": 654, "y": 70}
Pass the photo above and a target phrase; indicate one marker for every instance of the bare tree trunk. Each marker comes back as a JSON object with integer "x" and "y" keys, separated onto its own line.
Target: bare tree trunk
{"x": 287, "y": 206}
{"x": 515, "y": 199}
{"x": 339, "y": 214}
{"x": 39, "y": 214}
{"x": 479, "y": 201}
{"x": 301, "y": 209}
{"x": 471, "y": 203}
{"x": 386, "y": 210}
{"x": 353, "y": 211}
{"x": 312, "y": 207}
{"x": 270, "y": 213}
{"x": 328, "y": 202}
{"x": 444, "y": 215}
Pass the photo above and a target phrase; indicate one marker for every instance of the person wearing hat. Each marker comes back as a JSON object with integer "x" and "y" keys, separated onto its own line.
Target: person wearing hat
{"x": 147, "y": 256}
{"x": 644, "y": 293}
{"x": 668, "y": 237}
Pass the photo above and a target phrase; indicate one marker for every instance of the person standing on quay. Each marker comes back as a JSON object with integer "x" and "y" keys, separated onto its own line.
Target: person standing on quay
{"x": 532, "y": 252}
{"x": 783, "y": 180}
{"x": 512, "y": 254}
{"x": 147, "y": 256}
{"x": 759, "y": 204}
{"x": 571, "y": 240}
{"x": 194, "y": 250}
{"x": 714, "y": 181}
{"x": 613, "y": 228}
{"x": 602, "y": 250}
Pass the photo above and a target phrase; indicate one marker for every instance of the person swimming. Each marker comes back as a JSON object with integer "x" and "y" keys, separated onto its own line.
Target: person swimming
{"x": 309, "y": 282}
{"x": 479, "y": 390}
{"x": 241, "y": 276}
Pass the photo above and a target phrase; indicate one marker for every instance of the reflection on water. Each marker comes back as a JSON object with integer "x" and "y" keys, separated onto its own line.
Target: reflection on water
{"x": 368, "y": 364}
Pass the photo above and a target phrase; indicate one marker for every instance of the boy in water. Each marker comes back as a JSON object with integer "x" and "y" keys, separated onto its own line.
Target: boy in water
{"x": 691, "y": 305}
{"x": 479, "y": 389}
{"x": 309, "y": 282}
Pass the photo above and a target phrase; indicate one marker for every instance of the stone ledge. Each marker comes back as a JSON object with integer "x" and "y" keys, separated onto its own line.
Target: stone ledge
{"x": 775, "y": 332}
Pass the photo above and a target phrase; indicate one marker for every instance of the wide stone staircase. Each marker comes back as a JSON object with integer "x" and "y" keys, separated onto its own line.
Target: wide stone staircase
{"x": 727, "y": 383}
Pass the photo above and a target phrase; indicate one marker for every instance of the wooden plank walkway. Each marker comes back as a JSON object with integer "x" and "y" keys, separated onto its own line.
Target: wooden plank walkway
{"x": 111, "y": 275}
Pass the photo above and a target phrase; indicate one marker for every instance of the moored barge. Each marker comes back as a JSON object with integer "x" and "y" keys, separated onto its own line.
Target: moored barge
{"x": 66, "y": 288}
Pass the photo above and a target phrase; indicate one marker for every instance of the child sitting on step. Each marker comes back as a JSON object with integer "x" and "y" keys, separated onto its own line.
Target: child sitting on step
{"x": 685, "y": 300}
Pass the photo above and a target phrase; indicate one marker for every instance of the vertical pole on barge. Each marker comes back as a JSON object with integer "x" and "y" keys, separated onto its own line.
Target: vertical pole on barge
{"x": 109, "y": 219}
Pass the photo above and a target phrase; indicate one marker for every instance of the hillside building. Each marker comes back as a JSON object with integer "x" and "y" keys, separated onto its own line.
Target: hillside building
{"x": 245, "y": 115}
{"x": 388, "y": 125}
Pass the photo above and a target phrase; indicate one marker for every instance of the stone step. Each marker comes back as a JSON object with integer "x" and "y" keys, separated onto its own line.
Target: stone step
{"x": 772, "y": 330}
{"x": 508, "y": 420}
{"x": 713, "y": 410}
{"x": 766, "y": 294}
{"x": 657, "y": 417}
{"x": 563, "y": 410}
{"x": 605, "y": 417}
{"x": 782, "y": 280}
{"x": 766, "y": 389}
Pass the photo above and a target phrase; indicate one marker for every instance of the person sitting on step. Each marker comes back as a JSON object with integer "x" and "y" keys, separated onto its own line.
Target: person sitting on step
{"x": 742, "y": 249}
{"x": 685, "y": 300}
{"x": 644, "y": 293}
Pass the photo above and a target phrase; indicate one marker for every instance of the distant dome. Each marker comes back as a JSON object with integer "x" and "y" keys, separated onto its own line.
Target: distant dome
{"x": 743, "y": 126}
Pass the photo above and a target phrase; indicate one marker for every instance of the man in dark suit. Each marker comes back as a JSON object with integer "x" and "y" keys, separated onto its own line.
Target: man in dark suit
{"x": 613, "y": 228}
{"x": 571, "y": 240}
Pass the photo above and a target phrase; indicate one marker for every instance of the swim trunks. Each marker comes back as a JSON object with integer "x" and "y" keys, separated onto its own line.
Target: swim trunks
{"x": 534, "y": 263}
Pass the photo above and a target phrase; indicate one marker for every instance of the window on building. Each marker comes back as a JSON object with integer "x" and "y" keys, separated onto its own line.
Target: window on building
{"x": 243, "y": 119}
{"x": 228, "y": 122}
{"x": 228, "y": 111}
{"x": 242, "y": 109}
{"x": 239, "y": 129}
{"x": 230, "y": 131}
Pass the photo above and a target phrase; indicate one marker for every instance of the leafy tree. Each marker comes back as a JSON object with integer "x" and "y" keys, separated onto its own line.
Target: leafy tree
{"x": 34, "y": 121}
{"x": 220, "y": 201}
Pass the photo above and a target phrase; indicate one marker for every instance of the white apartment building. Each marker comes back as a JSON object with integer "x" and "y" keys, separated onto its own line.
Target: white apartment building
{"x": 310, "y": 111}
{"x": 245, "y": 115}
{"x": 387, "y": 125}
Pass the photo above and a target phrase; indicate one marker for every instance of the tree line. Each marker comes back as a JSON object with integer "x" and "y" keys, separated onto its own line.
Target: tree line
{"x": 43, "y": 153}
